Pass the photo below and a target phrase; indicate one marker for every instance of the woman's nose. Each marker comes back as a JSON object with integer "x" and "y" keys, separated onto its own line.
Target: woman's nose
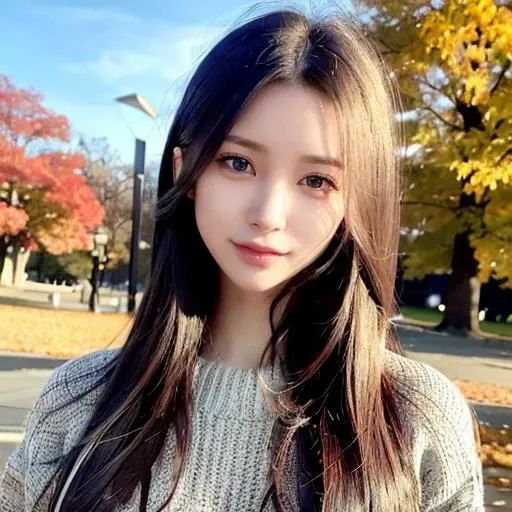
{"x": 269, "y": 208}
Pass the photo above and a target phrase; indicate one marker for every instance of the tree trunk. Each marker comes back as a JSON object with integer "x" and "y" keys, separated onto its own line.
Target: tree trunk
{"x": 463, "y": 300}
{"x": 6, "y": 277}
{"x": 3, "y": 252}
{"x": 461, "y": 313}
{"x": 19, "y": 267}
{"x": 40, "y": 265}
{"x": 13, "y": 272}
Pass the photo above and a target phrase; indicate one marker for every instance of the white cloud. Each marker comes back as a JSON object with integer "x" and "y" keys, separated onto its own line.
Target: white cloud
{"x": 68, "y": 14}
{"x": 115, "y": 65}
{"x": 169, "y": 54}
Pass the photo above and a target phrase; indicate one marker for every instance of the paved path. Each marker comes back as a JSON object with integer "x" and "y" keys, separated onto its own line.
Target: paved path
{"x": 489, "y": 362}
{"x": 111, "y": 301}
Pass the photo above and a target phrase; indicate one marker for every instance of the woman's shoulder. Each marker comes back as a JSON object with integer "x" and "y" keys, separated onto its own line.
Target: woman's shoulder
{"x": 75, "y": 379}
{"x": 65, "y": 404}
{"x": 424, "y": 392}
{"x": 427, "y": 399}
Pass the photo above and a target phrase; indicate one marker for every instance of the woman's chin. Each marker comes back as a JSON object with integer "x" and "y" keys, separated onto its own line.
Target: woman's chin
{"x": 256, "y": 283}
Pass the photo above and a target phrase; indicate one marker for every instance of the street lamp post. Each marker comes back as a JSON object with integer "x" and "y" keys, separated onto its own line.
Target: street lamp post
{"x": 138, "y": 102}
{"x": 99, "y": 259}
{"x": 138, "y": 181}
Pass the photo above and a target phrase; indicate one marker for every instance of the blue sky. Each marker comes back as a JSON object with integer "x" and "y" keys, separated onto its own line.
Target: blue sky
{"x": 82, "y": 54}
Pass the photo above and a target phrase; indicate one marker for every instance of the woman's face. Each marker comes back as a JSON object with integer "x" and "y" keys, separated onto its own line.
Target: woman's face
{"x": 275, "y": 185}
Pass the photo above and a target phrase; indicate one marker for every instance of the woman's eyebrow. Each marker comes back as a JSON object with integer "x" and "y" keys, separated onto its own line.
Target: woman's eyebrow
{"x": 324, "y": 160}
{"x": 311, "y": 159}
{"x": 251, "y": 144}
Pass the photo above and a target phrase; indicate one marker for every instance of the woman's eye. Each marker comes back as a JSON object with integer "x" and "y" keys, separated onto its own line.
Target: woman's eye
{"x": 236, "y": 163}
{"x": 317, "y": 182}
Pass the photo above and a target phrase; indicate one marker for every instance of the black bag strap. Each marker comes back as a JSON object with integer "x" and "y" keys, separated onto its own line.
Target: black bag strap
{"x": 146, "y": 483}
{"x": 310, "y": 466}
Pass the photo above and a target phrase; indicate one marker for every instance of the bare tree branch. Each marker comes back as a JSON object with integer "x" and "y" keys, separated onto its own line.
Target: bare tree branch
{"x": 117, "y": 193}
{"x": 434, "y": 205}
{"x": 503, "y": 156}
{"x": 503, "y": 71}
{"x": 442, "y": 92}
{"x": 389, "y": 48}
{"x": 498, "y": 237}
{"x": 441, "y": 118}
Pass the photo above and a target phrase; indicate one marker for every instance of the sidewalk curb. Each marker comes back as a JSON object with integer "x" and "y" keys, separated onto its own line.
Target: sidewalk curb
{"x": 491, "y": 341}
{"x": 11, "y": 437}
{"x": 495, "y": 406}
{"x": 10, "y": 361}
{"x": 31, "y": 355}
{"x": 12, "y": 428}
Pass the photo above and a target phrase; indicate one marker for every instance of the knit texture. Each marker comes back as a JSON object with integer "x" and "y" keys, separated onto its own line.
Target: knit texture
{"x": 231, "y": 428}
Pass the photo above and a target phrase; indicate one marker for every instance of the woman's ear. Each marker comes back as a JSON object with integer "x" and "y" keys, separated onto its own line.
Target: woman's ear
{"x": 177, "y": 160}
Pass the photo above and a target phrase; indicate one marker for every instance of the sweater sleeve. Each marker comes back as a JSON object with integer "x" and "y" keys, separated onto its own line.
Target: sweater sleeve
{"x": 52, "y": 428}
{"x": 13, "y": 482}
{"x": 450, "y": 469}
{"x": 439, "y": 421}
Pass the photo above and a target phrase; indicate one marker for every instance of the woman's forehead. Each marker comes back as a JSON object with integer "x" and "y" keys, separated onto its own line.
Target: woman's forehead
{"x": 291, "y": 116}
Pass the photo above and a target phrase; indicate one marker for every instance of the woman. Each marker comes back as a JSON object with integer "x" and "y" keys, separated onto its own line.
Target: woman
{"x": 261, "y": 371}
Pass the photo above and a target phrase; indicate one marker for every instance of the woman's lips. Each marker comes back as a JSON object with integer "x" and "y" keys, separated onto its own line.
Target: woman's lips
{"x": 257, "y": 256}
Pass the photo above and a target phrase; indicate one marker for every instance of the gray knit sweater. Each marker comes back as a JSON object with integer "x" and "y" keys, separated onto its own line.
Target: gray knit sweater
{"x": 227, "y": 466}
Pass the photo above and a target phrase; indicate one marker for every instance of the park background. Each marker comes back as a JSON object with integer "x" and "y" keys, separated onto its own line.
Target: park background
{"x": 67, "y": 195}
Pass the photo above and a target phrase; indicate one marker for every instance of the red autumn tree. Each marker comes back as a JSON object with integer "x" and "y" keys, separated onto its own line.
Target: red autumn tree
{"x": 45, "y": 201}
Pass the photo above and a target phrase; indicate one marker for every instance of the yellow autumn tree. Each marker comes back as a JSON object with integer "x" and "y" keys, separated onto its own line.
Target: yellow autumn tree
{"x": 452, "y": 60}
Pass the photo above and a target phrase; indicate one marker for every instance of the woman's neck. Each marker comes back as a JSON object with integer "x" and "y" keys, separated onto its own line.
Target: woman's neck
{"x": 240, "y": 327}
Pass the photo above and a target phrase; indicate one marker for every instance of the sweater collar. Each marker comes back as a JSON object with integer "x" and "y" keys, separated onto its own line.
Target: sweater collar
{"x": 222, "y": 390}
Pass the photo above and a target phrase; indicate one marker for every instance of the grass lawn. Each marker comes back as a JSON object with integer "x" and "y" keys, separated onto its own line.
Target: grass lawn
{"x": 60, "y": 333}
{"x": 433, "y": 316}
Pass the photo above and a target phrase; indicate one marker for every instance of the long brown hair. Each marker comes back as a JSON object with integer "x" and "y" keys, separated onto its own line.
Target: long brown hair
{"x": 332, "y": 335}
